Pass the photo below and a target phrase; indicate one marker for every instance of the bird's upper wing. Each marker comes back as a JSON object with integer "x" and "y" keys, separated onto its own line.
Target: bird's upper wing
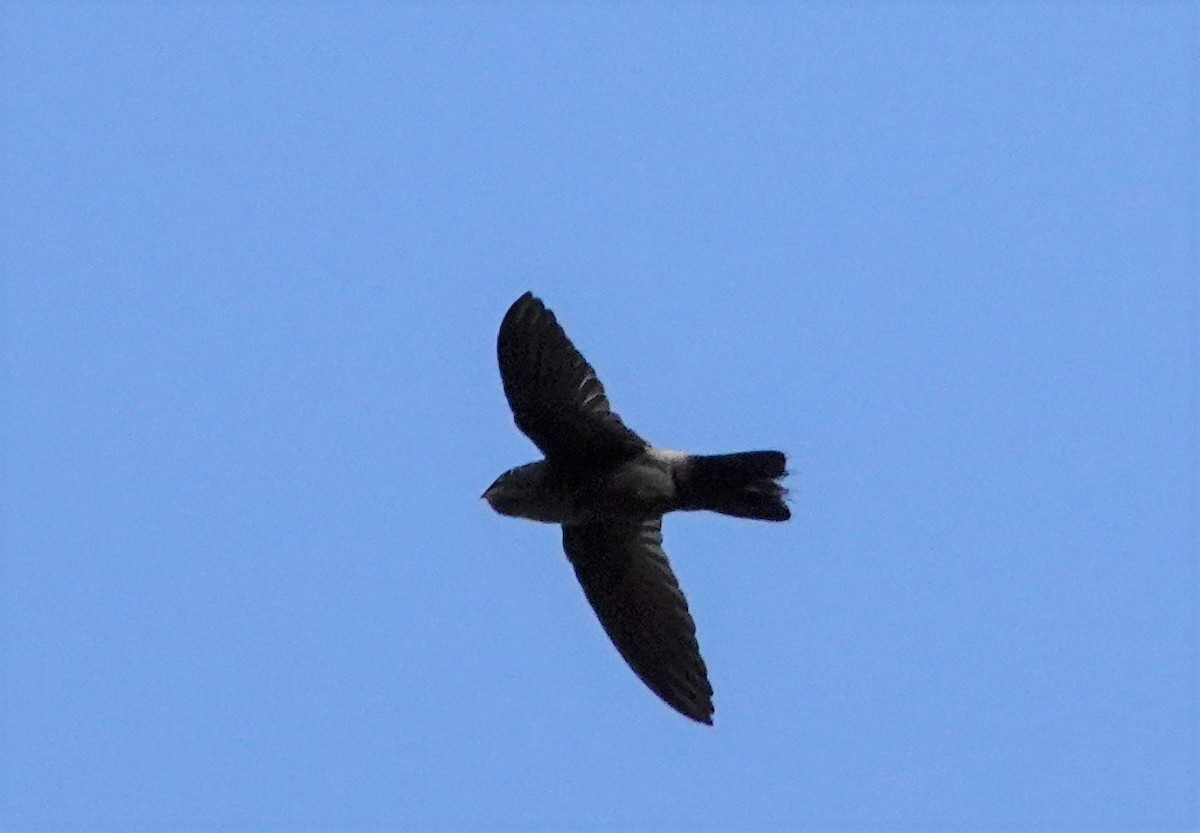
{"x": 554, "y": 394}
{"x": 629, "y": 582}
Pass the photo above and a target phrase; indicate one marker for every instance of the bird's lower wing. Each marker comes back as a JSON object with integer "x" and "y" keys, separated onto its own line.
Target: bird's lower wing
{"x": 630, "y": 585}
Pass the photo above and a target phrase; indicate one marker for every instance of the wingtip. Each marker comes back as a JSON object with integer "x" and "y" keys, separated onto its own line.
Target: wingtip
{"x": 527, "y": 305}
{"x": 518, "y": 310}
{"x": 700, "y": 711}
{"x": 703, "y": 717}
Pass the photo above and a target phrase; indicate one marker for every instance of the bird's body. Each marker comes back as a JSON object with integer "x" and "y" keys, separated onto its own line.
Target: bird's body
{"x": 643, "y": 487}
{"x": 609, "y": 489}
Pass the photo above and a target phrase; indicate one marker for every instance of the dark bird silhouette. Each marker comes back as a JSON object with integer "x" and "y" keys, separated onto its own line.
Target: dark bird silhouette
{"x": 609, "y": 489}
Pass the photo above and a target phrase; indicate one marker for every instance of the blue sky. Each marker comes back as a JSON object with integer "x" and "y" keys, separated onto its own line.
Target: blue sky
{"x": 254, "y": 261}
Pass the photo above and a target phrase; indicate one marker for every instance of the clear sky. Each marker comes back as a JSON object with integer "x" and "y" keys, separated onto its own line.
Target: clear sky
{"x": 255, "y": 257}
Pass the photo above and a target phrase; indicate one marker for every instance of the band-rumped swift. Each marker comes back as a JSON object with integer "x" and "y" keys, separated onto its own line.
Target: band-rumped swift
{"x": 609, "y": 489}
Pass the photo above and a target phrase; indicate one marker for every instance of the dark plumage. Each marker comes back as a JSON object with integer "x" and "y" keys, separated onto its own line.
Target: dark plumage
{"x": 609, "y": 489}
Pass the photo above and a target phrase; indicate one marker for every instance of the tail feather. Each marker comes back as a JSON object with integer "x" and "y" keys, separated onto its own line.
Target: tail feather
{"x": 745, "y": 485}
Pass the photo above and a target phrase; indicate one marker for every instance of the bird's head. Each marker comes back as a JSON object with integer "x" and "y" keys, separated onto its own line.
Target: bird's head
{"x": 520, "y": 493}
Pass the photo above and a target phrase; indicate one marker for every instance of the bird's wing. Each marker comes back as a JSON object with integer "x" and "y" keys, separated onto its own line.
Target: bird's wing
{"x": 555, "y": 397}
{"x": 629, "y": 582}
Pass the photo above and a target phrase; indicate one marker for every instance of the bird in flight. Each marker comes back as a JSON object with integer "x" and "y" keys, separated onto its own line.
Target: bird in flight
{"x": 609, "y": 489}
